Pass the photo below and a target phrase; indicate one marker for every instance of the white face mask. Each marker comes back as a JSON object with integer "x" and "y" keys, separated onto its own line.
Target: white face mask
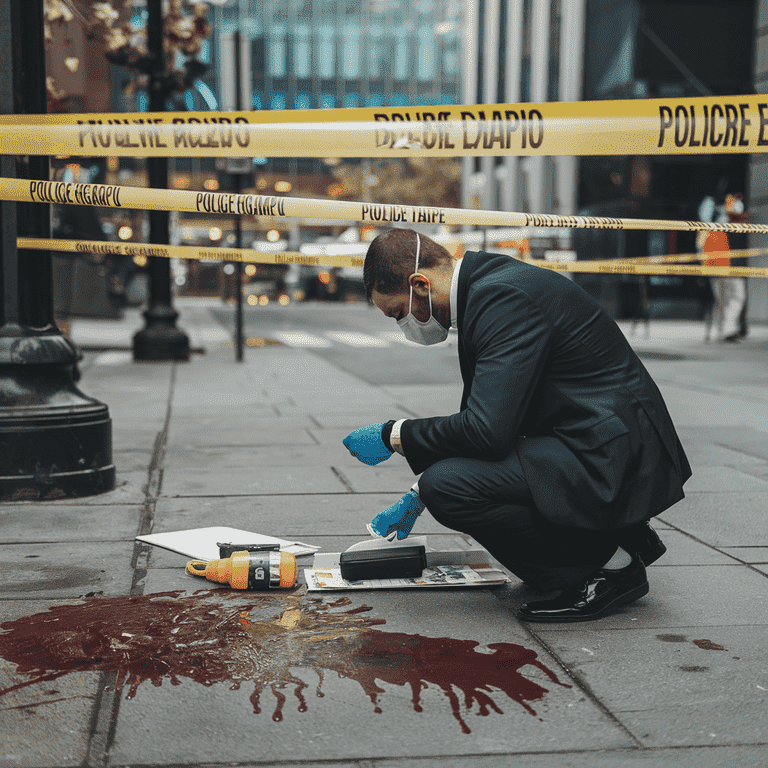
{"x": 422, "y": 331}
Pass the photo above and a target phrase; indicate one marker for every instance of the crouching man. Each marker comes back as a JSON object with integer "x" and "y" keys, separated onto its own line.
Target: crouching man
{"x": 562, "y": 449}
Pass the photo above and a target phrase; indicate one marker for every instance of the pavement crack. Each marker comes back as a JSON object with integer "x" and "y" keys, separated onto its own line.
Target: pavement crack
{"x": 107, "y": 704}
{"x": 751, "y": 566}
{"x": 343, "y": 479}
{"x": 504, "y": 596}
{"x": 584, "y": 686}
{"x": 407, "y": 410}
{"x": 743, "y": 452}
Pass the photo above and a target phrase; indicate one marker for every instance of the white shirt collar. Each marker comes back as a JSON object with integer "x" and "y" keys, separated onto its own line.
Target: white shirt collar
{"x": 455, "y": 294}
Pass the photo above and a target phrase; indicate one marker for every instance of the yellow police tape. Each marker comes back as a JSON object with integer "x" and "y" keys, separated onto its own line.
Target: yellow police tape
{"x": 257, "y": 257}
{"x": 704, "y": 125}
{"x": 199, "y": 253}
{"x": 677, "y": 258}
{"x": 109, "y": 196}
{"x": 675, "y": 270}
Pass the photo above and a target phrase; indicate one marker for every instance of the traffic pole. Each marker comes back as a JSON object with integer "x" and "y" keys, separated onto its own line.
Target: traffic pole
{"x": 55, "y": 441}
{"x": 160, "y": 339}
{"x": 238, "y": 180}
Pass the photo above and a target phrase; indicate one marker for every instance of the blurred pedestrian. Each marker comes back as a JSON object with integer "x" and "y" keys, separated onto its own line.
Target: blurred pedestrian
{"x": 729, "y": 293}
{"x": 562, "y": 449}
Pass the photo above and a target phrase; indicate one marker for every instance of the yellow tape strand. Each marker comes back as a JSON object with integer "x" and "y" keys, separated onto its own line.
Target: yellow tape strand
{"x": 104, "y": 195}
{"x": 257, "y": 257}
{"x": 199, "y": 253}
{"x": 707, "y": 125}
{"x": 678, "y": 258}
{"x": 675, "y": 270}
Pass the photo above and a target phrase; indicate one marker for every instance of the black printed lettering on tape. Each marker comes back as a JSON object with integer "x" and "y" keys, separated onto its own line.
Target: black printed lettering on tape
{"x": 709, "y": 125}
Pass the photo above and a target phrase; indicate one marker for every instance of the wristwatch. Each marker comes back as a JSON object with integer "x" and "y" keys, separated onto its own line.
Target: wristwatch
{"x": 390, "y": 435}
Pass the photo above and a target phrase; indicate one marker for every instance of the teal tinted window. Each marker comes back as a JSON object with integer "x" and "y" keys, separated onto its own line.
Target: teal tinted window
{"x": 276, "y": 52}
{"x": 400, "y": 68}
{"x": 326, "y": 56}
{"x": 302, "y": 52}
{"x": 351, "y": 59}
{"x": 426, "y": 54}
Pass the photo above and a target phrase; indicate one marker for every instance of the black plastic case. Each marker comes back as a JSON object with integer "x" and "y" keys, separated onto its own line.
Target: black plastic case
{"x": 394, "y": 563}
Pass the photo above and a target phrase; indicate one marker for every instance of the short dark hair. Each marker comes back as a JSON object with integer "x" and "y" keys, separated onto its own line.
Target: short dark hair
{"x": 391, "y": 260}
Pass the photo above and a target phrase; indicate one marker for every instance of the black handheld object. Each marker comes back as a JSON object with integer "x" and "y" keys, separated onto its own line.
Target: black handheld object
{"x": 383, "y": 563}
{"x": 226, "y": 549}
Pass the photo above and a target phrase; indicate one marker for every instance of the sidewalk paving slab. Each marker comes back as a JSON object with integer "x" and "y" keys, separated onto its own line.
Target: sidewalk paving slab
{"x": 344, "y": 724}
{"x": 722, "y": 519}
{"x": 46, "y": 723}
{"x": 284, "y": 515}
{"x": 692, "y": 596}
{"x": 66, "y": 570}
{"x": 29, "y": 523}
{"x": 196, "y": 481}
{"x": 680, "y": 686}
{"x": 258, "y": 446}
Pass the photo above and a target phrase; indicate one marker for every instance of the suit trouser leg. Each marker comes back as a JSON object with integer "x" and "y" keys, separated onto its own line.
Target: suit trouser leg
{"x": 491, "y": 502}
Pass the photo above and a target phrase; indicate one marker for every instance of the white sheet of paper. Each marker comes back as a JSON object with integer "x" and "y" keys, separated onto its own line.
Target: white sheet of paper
{"x": 202, "y": 543}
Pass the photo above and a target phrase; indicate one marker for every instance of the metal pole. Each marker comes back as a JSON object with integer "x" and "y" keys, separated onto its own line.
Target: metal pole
{"x": 540, "y": 11}
{"x": 514, "y": 45}
{"x": 469, "y": 89}
{"x": 160, "y": 339}
{"x": 490, "y": 92}
{"x": 55, "y": 441}
{"x": 571, "y": 67}
{"x": 238, "y": 218}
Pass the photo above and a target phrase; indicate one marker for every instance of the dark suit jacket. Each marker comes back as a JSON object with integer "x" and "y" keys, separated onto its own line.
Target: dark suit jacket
{"x": 548, "y": 373}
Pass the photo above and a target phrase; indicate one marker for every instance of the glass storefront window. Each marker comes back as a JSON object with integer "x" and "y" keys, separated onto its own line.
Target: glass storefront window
{"x": 326, "y": 59}
{"x": 400, "y": 68}
{"x": 426, "y": 53}
{"x": 276, "y": 52}
{"x": 351, "y": 60}
{"x": 302, "y": 52}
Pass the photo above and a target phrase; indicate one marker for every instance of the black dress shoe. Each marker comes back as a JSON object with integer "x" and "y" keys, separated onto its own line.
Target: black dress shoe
{"x": 592, "y": 598}
{"x": 640, "y": 539}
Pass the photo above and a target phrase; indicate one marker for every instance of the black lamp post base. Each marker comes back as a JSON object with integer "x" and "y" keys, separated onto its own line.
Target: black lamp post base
{"x": 61, "y": 485}
{"x": 55, "y": 442}
{"x": 161, "y": 339}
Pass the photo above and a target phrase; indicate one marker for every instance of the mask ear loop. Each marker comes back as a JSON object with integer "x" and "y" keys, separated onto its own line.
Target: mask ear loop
{"x": 410, "y": 300}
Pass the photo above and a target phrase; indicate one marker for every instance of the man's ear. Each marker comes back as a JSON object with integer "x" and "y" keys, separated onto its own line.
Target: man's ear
{"x": 420, "y": 284}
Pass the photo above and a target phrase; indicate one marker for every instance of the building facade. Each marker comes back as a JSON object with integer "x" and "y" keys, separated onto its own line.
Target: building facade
{"x": 757, "y": 301}
{"x": 635, "y": 49}
{"x": 330, "y": 54}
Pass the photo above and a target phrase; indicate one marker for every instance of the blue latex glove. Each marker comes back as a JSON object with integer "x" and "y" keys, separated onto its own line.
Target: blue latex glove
{"x": 399, "y": 518}
{"x": 366, "y": 444}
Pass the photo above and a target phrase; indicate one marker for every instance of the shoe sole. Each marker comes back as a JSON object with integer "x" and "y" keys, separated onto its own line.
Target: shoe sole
{"x": 628, "y": 597}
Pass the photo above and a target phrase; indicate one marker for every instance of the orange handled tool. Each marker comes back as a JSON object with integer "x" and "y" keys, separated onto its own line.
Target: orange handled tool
{"x": 248, "y": 567}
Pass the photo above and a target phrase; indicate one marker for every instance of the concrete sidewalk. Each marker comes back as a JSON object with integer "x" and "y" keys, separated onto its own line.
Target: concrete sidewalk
{"x": 111, "y": 655}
